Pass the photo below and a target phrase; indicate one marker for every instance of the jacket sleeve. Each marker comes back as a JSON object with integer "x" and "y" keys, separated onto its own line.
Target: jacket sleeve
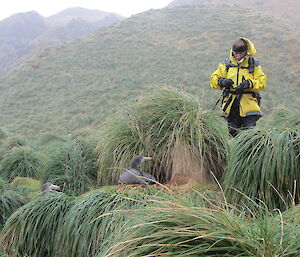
{"x": 259, "y": 80}
{"x": 219, "y": 73}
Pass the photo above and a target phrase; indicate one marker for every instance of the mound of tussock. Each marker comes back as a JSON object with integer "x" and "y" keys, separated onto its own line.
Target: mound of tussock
{"x": 73, "y": 167}
{"x": 184, "y": 228}
{"x": 32, "y": 229}
{"x": 21, "y": 161}
{"x": 284, "y": 119}
{"x": 171, "y": 127}
{"x": 98, "y": 216}
{"x": 10, "y": 201}
{"x": 264, "y": 165}
{"x": 27, "y": 187}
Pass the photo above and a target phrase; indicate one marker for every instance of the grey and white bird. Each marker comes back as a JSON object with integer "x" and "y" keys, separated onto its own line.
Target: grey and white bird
{"x": 48, "y": 187}
{"x": 133, "y": 175}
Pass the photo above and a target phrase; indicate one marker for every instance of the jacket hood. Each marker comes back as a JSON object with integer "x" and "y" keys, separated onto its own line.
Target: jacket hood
{"x": 251, "y": 49}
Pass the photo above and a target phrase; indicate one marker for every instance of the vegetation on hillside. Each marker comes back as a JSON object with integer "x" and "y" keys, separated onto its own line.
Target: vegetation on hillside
{"x": 179, "y": 227}
{"x": 264, "y": 165}
{"x": 145, "y": 222}
{"x": 83, "y": 82}
{"x": 172, "y": 128}
{"x": 32, "y": 229}
{"x": 73, "y": 167}
{"x": 197, "y": 220}
{"x": 275, "y": 8}
{"x": 21, "y": 161}
{"x": 10, "y": 201}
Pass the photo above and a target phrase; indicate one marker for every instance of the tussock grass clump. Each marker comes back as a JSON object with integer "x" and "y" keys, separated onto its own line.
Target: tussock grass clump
{"x": 284, "y": 119}
{"x": 4, "y": 185}
{"x": 10, "y": 201}
{"x": 264, "y": 165}
{"x": 27, "y": 187}
{"x": 171, "y": 127}
{"x": 181, "y": 228}
{"x": 3, "y": 134}
{"x": 96, "y": 217}
{"x": 48, "y": 138}
{"x": 32, "y": 229}
{"x": 73, "y": 167}
{"x": 21, "y": 161}
{"x": 14, "y": 141}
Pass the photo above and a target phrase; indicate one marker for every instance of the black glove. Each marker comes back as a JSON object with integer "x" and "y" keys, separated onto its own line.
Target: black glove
{"x": 224, "y": 82}
{"x": 242, "y": 86}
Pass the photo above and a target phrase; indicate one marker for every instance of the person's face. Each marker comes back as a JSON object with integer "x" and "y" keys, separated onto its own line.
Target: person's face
{"x": 239, "y": 55}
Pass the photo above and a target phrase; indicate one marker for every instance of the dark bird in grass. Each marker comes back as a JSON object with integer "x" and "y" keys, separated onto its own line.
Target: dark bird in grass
{"x": 133, "y": 175}
{"x": 48, "y": 187}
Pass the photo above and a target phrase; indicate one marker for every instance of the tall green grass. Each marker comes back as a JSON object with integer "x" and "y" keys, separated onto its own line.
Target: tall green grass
{"x": 32, "y": 229}
{"x": 3, "y": 134}
{"x": 10, "y": 201}
{"x": 27, "y": 187}
{"x": 1, "y": 250}
{"x": 264, "y": 165}
{"x": 14, "y": 141}
{"x": 22, "y": 161}
{"x": 284, "y": 119}
{"x": 97, "y": 217}
{"x": 48, "y": 138}
{"x": 73, "y": 167}
{"x": 171, "y": 127}
{"x": 205, "y": 228}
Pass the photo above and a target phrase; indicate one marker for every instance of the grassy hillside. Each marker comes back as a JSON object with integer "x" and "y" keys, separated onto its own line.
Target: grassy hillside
{"x": 287, "y": 10}
{"x": 81, "y": 83}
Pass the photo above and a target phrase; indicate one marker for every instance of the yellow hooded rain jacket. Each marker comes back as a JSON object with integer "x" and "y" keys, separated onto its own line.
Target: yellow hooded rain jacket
{"x": 238, "y": 72}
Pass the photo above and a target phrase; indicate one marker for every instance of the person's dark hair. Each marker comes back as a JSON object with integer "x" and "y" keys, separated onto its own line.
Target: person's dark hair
{"x": 239, "y": 45}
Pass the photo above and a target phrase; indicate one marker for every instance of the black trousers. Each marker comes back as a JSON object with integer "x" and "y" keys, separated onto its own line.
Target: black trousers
{"x": 236, "y": 122}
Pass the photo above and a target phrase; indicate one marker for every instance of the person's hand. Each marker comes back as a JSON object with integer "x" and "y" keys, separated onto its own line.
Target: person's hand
{"x": 242, "y": 86}
{"x": 224, "y": 82}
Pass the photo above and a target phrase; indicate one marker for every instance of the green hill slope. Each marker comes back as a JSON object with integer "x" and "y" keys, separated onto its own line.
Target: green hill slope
{"x": 287, "y": 10}
{"x": 81, "y": 83}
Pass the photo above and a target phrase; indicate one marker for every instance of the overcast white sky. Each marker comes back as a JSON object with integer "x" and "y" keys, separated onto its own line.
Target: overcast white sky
{"x": 49, "y": 7}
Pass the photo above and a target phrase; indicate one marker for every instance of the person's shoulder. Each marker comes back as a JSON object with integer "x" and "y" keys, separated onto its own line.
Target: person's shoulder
{"x": 226, "y": 61}
{"x": 254, "y": 61}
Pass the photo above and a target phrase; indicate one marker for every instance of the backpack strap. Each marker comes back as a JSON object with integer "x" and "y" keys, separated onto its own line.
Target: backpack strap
{"x": 252, "y": 63}
{"x": 228, "y": 64}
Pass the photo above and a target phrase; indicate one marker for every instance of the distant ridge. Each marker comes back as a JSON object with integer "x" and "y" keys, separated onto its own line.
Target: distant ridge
{"x": 23, "y": 34}
{"x": 88, "y": 15}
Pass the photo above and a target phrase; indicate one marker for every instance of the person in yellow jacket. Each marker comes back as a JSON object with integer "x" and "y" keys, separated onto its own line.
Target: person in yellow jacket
{"x": 241, "y": 78}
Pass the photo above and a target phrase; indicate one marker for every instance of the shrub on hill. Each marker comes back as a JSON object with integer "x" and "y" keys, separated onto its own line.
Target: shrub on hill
{"x": 27, "y": 187}
{"x": 179, "y": 227}
{"x": 3, "y": 134}
{"x": 48, "y": 138}
{"x": 264, "y": 165}
{"x": 171, "y": 127}
{"x": 14, "y": 141}
{"x": 22, "y": 161}
{"x": 284, "y": 119}
{"x": 73, "y": 167}
{"x": 10, "y": 201}
{"x": 32, "y": 229}
{"x": 98, "y": 216}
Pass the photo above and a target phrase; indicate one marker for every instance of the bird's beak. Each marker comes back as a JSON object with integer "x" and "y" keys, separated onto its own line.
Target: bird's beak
{"x": 147, "y": 158}
{"x": 55, "y": 187}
